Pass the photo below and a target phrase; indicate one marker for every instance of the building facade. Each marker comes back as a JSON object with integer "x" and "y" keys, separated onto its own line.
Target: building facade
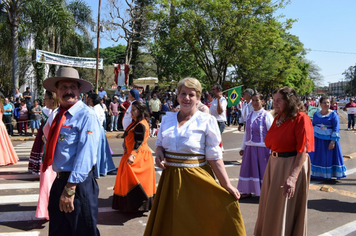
{"x": 338, "y": 88}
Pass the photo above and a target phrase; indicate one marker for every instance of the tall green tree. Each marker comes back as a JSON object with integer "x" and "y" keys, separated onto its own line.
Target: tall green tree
{"x": 350, "y": 77}
{"x": 169, "y": 50}
{"x": 112, "y": 54}
{"x": 54, "y": 25}
{"x": 216, "y": 31}
{"x": 14, "y": 8}
{"x": 48, "y": 23}
{"x": 242, "y": 41}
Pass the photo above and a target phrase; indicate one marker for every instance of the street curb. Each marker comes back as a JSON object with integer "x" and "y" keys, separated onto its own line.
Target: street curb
{"x": 109, "y": 135}
{"x": 350, "y": 156}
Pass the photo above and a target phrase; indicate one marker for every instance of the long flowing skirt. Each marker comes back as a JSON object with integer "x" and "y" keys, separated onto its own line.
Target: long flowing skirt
{"x": 325, "y": 163}
{"x": 190, "y": 202}
{"x": 253, "y": 168}
{"x": 135, "y": 184}
{"x": 36, "y": 154}
{"x": 7, "y": 151}
{"x": 278, "y": 215}
{"x": 105, "y": 162}
{"x": 46, "y": 180}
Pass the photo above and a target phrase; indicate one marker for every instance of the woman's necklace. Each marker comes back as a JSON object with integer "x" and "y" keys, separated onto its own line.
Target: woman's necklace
{"x": 279, "y": 121}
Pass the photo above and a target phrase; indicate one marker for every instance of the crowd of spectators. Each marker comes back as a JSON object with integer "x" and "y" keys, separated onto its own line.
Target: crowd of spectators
{"x": 158, "y": 102}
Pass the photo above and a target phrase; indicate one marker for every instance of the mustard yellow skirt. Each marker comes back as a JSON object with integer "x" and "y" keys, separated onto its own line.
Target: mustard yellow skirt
{"x": 190, "y": 202}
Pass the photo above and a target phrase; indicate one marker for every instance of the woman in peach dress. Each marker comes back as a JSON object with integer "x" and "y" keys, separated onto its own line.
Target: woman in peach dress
{"x": 47, "y": 177}
{"x": 7, "y": 152}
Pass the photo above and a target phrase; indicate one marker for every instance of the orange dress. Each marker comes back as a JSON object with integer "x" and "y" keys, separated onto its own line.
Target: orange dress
{"x": 7, "y": 151}
{"x": 135, "y": 184}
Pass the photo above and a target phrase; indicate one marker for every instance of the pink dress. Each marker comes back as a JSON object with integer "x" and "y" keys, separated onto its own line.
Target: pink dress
{"x": 46, "y": 181}
{"x": 7, "y": 152}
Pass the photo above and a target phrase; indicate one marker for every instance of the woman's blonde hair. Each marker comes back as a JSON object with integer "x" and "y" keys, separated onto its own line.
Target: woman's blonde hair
{"x": 53, "y": 96}
{"x": 191, "y": 83}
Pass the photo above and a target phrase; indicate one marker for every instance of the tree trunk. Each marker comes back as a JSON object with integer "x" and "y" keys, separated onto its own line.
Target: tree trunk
{"x": 15, "y": 56}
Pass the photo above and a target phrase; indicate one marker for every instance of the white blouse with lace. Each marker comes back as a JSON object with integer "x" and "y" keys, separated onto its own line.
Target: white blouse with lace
{"x": 199, "y": 135}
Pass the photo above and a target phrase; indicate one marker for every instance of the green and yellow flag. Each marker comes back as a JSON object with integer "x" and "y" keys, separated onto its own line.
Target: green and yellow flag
{"x": 234, "y": 95}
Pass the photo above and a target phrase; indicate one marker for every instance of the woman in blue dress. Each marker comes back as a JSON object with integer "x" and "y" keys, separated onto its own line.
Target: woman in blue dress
{"x": 327, "y": 160}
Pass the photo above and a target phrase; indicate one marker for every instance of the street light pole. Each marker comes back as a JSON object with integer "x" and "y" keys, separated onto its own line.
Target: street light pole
{"x": 97, "y": 50}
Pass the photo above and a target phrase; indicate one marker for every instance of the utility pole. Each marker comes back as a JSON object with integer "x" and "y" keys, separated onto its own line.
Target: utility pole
{"x": 97, "y": 50}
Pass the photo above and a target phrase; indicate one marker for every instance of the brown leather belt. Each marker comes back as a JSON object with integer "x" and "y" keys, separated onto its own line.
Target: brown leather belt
{"x": 284, "y": 154}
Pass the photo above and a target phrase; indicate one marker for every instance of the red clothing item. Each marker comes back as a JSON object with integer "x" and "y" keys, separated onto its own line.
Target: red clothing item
{"x": 292, "y": 135}
{"x": 117, "y": 71}
{"x": 126, "y": 105}
{"x": 350, "y": 104}
{"x": 334, "y": 107}
{"x": 312, "y": 103}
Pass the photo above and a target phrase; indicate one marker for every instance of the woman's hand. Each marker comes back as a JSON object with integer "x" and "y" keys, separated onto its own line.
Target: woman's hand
{"x": 241, "y": 152}
{"x": 160, "y": 157}
{"x": 131, "y": 159}
{"x": 331, "y": 145}
{"x": 289, "y": 187}
{"x": 234, "y": 192}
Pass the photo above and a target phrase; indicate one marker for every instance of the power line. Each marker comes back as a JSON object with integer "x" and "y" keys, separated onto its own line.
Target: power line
{"x": 332, "y": 75}
{"x": 332, "y": 51}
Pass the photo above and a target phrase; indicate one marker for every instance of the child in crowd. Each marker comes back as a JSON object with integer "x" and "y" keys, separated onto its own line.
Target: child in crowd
{"x": 154, "y": 127}
{"x": 234, "y": 116}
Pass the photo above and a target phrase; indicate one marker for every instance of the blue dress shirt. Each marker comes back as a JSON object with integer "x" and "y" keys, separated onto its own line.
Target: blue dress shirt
{"x": 77, "y": 144}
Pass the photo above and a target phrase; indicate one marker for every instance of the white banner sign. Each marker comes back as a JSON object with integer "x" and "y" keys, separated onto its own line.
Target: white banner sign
{"x": 351, "y": 110}
{"x": 58, "y": 59}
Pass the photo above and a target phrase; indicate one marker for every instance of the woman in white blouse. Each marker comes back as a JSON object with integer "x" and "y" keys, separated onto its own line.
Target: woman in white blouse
{"x": 188, "y": 200}
{"x": 254, "y": 152}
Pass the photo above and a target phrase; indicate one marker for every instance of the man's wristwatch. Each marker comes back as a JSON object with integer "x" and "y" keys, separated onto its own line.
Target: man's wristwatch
{"x": 69, "y": 191}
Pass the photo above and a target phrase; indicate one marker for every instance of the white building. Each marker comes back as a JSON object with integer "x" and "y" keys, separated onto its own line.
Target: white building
{"x": 338, "y": 88}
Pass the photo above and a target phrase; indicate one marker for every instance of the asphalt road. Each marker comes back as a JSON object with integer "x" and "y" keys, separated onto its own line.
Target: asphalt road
{"x": 329, "y": 213}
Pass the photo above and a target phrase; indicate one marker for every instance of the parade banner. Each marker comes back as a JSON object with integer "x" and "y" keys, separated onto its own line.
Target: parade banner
{"x": 351, "y": 110}
{"x": 58, "y": 59}
{"x": 311, "y": 111}
{"x": 234, "y": 95}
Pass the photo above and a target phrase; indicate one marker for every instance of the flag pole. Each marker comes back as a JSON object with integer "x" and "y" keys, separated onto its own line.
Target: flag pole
{"x": 232, "y": 88}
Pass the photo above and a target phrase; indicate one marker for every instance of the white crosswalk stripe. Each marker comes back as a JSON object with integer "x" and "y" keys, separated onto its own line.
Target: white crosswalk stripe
{"x": 10, "y": 199}
{"x": 18, "y": 191}
{"x": 24, "y": 149}
{"x": 19, "y": 186}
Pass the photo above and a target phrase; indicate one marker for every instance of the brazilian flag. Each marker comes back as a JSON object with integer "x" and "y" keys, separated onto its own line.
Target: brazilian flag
{"x": 234, "y": 95}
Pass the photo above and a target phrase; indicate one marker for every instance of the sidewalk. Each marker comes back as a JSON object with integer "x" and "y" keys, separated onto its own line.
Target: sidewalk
{"x": 348, "y": 137}
{"x": 28, "y": 137}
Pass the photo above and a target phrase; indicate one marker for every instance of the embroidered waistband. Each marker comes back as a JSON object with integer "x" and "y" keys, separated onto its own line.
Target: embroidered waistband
{"x": 184, "y": 160}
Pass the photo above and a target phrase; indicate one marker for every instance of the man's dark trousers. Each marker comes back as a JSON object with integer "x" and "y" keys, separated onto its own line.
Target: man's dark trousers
{"x": 80, "y": 222}
{"x": 7, "y": 119}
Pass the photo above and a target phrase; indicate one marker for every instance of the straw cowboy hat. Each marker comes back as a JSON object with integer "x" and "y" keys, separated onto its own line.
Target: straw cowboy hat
{"x": 70, "y": 74}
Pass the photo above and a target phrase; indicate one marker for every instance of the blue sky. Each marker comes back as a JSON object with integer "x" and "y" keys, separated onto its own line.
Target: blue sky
{"x": 324, "y": 26}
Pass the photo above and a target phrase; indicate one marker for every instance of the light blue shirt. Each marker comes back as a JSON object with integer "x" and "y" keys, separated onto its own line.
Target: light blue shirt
{"x": 102, "y": 93}
{"x": 122, "y": 99}
{"x": 7, "y": 106}
{"x": 77, "y": 144}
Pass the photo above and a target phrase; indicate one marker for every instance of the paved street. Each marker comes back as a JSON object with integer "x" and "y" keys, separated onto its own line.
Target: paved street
{"x": 329, "y": 213}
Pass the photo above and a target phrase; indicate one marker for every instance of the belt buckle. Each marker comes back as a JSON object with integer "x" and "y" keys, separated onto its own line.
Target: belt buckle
{"x": 274, "y": 154}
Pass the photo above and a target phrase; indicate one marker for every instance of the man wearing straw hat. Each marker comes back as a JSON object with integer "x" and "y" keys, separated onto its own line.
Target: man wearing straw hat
{"x": 72, "y": 133}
